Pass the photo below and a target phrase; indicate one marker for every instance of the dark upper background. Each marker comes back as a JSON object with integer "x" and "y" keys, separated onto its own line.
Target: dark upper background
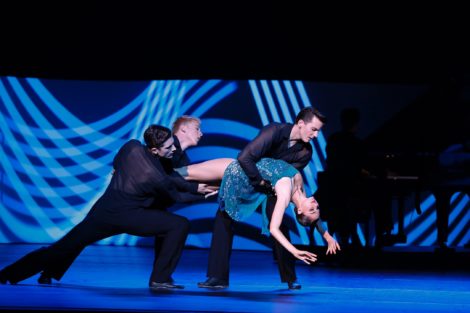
{"x": 231, "y": 40}
{"x": 143, "y": 40}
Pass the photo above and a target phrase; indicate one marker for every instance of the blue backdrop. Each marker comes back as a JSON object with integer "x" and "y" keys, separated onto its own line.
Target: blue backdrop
{"x": 58, "y": 139}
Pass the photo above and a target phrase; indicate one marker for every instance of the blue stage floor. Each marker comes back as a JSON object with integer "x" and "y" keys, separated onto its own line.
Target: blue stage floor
{"x": 108, "y": 279}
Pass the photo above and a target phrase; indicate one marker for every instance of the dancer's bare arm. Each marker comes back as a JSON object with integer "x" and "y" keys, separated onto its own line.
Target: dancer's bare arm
{"x": 283, "y": 191}
{"x": 209, "y": 171}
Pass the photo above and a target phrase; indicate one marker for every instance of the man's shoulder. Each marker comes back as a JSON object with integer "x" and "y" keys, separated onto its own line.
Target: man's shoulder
{"x": 276, "y": 126}
{"x": 134, "y": 142}
{"x": 132, "y": 145}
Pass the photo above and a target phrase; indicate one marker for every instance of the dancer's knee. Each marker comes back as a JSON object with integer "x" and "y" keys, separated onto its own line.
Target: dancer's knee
{"x": 183, "y": 224}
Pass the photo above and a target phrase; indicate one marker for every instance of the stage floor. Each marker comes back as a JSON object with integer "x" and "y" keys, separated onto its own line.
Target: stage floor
{"x": 110, "y": 279}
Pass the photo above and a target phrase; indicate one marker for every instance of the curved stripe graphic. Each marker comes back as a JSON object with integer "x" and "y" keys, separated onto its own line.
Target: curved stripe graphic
{"x": 54, "y": 166}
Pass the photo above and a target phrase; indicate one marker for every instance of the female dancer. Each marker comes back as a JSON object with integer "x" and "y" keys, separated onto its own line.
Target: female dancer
{"x": 239, "y": 200}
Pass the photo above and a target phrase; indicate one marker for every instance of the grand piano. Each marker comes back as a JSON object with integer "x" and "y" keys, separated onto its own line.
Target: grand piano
{"x": 410, "y": 153}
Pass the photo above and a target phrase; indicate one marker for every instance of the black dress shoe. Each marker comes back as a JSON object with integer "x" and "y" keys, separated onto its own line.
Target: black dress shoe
{"x": 44, "y": 279}
{"x": 213, "y": 283}
{"x": 164, "y": 286}
{"x": 294, "y": 285}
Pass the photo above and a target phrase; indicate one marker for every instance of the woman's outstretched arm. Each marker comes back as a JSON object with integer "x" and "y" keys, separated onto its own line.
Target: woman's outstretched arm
{"x": 283, "y": 191}
{"x": 208, "y": 171}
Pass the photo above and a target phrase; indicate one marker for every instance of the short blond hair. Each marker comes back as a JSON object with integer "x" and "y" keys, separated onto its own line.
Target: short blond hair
{"x": 183, "y": 120}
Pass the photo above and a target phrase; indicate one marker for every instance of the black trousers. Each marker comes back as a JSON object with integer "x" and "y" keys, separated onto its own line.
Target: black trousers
{"x": 57, "y": 258}
{"x": 221, "y": 247}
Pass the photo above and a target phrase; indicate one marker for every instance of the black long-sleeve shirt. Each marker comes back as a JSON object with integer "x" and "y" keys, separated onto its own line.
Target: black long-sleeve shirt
{"x": 179, "y": 159}
{"x": 139, "y": 179}
{"x": 273, "y": 142}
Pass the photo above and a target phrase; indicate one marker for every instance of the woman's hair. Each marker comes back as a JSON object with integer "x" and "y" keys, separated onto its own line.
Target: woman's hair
{"x": 156, "y": 135}
{"x": 302, "y": 219}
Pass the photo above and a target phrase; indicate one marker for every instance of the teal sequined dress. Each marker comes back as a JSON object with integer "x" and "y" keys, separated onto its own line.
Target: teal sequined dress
{"x": 237, "y": 196}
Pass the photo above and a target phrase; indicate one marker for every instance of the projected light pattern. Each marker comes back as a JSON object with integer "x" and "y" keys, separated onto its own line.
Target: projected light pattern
{"x": 421, "y": 229}
{"x": 50, "y": 173}
{"x": 55, "y": 164}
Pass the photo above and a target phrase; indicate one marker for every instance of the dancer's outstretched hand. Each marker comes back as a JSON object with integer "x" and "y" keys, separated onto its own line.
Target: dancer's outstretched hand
{"x": 333, "y": 245}
{"x": 210, "y": 194}
{"x": 205, "y": 188}
{"x": 306, "y": 256}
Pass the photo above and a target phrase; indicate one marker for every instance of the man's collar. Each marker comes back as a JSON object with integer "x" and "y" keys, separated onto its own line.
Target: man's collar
{"x": 286, "y": 131}
{"x": 177, "y": 142}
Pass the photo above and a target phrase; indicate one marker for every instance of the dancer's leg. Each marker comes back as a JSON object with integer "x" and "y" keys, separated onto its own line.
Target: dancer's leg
{"x": 208, "y": 171}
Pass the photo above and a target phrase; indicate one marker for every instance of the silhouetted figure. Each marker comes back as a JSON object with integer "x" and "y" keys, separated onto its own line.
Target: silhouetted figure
{"x": 345, "y": 168}
{"x": 353, "y": 193}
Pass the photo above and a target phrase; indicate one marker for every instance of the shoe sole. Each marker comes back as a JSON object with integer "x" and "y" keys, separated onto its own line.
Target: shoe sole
{"x": 213, "y": 287}
{"x": 166, "y": 287}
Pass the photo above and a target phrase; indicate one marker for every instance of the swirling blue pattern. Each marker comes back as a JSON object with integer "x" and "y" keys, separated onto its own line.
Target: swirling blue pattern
{"x": 54, "y": 164}
{"x": 48, "y": 180}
